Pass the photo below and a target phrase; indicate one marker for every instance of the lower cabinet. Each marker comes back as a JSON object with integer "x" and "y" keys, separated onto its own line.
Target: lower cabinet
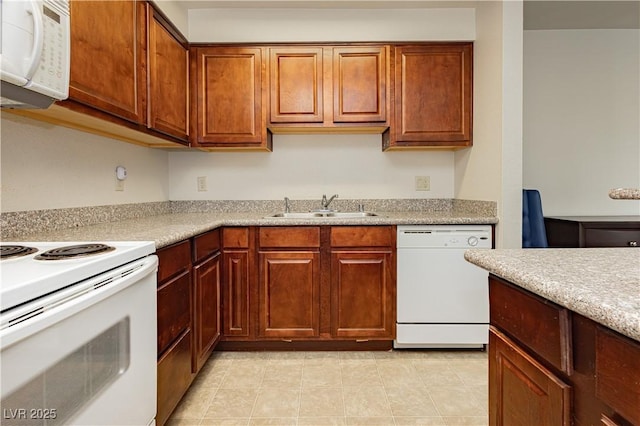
{"x": 237, "y": 259}
{"x": 308, "y": 284}
{"x": 206, "y": 301}
{"x": 362, "y": 294}
{"x": 551, "y": 366}
{"x": 175, "y": 333}
{"x": 188, "y": 301}
{"x": 289, "y": 304}
{"x": 289, "y": 282}
{"x": 523, "y": 391}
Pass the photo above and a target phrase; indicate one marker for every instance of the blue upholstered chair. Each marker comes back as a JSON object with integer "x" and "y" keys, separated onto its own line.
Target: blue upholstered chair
{"x": 534, "y": 234}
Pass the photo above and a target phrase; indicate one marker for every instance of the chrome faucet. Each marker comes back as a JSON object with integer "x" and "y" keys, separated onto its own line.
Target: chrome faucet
{"x": 287, "y": 206}
{"x": 325, "y": 202}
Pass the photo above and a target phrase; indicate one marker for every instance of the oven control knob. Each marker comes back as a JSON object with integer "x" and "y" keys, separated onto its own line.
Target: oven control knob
{"x": 472, "y": 241}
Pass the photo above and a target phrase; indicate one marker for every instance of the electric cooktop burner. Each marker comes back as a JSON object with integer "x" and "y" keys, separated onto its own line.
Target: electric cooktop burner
{"x": 75, "y": 251}
{"x": 11, "y": 251}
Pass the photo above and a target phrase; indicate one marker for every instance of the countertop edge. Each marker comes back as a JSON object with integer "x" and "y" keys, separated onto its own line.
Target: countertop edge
{"x": 168, "y": 229}
{"x": 624, "y": 322}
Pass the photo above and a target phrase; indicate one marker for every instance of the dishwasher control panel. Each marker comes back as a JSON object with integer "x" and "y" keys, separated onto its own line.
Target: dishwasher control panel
{"x": 444, "y": 236}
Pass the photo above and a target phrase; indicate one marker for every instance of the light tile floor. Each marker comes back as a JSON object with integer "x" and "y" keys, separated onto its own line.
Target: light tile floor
{"x": 338, "y": 388}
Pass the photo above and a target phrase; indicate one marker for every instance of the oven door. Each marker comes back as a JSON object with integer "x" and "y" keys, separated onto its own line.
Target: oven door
{"x": 87, "y": 359}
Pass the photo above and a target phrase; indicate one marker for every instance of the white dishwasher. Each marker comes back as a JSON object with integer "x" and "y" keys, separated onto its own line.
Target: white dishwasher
{"x": 442, "y": 300}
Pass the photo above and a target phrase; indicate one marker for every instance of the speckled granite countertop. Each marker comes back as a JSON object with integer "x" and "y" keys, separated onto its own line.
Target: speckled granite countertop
{"x": 625, "y": 194}
{"x": 170, "y": 228}
{"x": 602, "y": 284}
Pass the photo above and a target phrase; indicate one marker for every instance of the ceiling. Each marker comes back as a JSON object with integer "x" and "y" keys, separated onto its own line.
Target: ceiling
{"x": 538, "y": 14}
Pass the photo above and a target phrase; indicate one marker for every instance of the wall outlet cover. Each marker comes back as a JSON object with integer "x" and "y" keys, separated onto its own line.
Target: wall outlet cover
{"x": 423, "y": 183}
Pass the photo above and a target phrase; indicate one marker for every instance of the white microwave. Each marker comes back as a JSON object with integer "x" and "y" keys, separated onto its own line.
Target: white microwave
{"x": 34, "y": 58}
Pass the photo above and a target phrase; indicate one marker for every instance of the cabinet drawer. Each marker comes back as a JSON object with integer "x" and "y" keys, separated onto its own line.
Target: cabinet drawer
{"x": 618, "y": 373}
{"x": 174, "y": 310}
{"x": 205, "y": 245}
{"x": 612, "y": 237}
{"x": 362, "y": 236}
{"x": 173, "y": 259}
{"x": 290, "y": 236}
{"x": 235, "y": 238}
{"x": 539, "y": 324}
{"x": 174, "y": 376}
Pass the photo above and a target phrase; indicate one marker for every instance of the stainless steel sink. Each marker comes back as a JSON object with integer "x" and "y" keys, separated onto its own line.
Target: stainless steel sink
{"x": 322, "y": 215}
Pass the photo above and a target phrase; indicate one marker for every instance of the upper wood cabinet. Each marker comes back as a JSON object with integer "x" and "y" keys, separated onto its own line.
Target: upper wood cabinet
{"x": 328, "y": 87}
{"x": 230, "y": 98}
{"x": 433, "y": 96}
{"x": 296, "y": 85}
{"x": 108, "y": 69}
{"x": 168, "y": 75}
{"x": 360, "y": 84}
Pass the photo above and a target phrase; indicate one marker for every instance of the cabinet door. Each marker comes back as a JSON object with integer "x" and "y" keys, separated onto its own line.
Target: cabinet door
{"x": 108, "y": 60}
{"x": 206, "y": 324}
{"x": 521, "y": 390}
{"x": 362, "y": 294}
{"x": 433, "y": 95}
{"x": 296, "y": 89}
{"x": 360, "y": 84}
{"x": 168, "y": 75}
{"x": 235, "y": 291}
{"x": 289, "y": 294}
{"x": 229, "y": 85}
{"x": 174, "y": 310}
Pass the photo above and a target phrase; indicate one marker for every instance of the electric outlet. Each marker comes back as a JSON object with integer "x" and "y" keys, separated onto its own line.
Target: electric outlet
{"x": 202, "y": 183}
{"x": 423, "y": 183}
{"x": 119, "y": 185}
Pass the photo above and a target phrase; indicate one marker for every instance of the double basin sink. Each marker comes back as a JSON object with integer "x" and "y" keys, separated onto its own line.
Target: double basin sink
{"x": 322, "y": 215}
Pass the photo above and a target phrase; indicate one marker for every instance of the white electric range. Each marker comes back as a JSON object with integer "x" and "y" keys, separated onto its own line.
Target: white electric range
{"x": 78, "y": 332}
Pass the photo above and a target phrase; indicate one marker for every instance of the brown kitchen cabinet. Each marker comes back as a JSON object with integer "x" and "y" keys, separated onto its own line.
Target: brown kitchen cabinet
{"x": 433, "y": 88}
{"x": 328, "y": 87}
{"x": 108, "y": 62}
{"x": 296, "y": 85}
{"x": 206, "y": 291}
{"x": 237, "y": 270}
{"x": 175, "y": 332}
{"x": 289, "y": 282}
{"x": 362, "y": 282}
{"x": 517, "y": 378}
{"x": 127, "y": 81}
{"x": 168, "y": 77}
{"x": 230, "y": 98}
{"x": 549, "y": 365}
{"x": 593, "y": 231}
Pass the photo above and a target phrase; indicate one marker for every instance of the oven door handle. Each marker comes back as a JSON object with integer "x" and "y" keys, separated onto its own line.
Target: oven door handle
{"x": 47, "y": 311}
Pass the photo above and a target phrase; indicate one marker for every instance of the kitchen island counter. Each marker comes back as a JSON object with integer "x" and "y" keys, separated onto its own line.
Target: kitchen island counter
{"x": 602, "y": 284}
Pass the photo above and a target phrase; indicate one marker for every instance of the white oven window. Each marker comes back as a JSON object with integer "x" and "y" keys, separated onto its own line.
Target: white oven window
{"x": 72, "y": 382}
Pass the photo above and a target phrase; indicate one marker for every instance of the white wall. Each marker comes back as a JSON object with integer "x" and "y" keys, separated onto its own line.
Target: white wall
{"x": 492, "y": 169}
{"x": 305, "y": 167}
{"x": 582, "y": 119}
{"x": 48, "y": 167}
{"x": 281, "y": 25}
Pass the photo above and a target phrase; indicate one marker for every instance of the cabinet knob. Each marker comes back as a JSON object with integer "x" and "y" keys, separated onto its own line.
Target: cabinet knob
{"x": 633, "y": 244}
